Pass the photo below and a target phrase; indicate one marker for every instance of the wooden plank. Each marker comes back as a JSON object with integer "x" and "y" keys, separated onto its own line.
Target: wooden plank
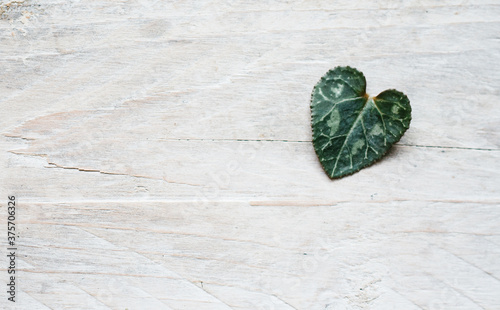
{"x": 262, "y": 172}
{"x": 245, "y": 256}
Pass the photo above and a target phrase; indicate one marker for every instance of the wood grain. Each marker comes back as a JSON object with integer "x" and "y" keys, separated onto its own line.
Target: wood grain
{"x": 161, "y": 155}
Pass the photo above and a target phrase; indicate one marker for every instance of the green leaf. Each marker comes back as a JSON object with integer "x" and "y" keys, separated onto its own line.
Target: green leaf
{"x": 352, "y": 130}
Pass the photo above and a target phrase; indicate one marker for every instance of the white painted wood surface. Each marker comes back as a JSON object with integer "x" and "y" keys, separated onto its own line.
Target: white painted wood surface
{"x": 160, "y": 154}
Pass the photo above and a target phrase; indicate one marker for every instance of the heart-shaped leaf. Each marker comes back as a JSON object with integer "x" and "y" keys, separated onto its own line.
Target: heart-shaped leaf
{"x": 352, "y": 130}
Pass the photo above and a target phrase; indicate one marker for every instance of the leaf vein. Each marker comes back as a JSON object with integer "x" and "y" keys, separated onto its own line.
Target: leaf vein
{"x": 383, "y": 122}
{"x": 394, "y": 102}
{"x": 333, "y": 107}
{"x": 366, "y": 138}
{"x": 348, "y": 134}
{"x": 345, "y": 82}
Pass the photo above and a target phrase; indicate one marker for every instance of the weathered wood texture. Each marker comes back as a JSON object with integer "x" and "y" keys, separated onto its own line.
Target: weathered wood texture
{"x": 161, "y": 155}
